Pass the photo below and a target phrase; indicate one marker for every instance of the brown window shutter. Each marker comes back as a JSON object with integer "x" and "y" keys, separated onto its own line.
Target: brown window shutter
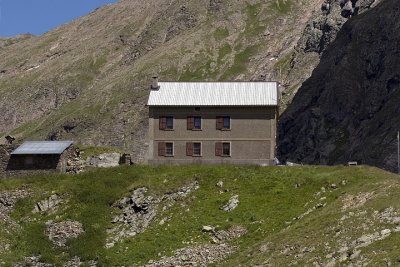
{"x": 163, "y": 123}
{"x": 220, "y": 123}
{"x": 218, "y": 149}
{"x": 189, "y": 149}
{"x": 161, "y": 149}
{"x": 190, "y": 123}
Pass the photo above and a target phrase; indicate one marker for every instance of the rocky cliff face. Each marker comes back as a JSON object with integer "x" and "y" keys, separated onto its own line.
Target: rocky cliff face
{"x": 320, "y": 31}
{"x": 348, "y": 109}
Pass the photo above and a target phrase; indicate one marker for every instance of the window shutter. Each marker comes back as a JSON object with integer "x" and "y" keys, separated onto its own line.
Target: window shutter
{"x": 189, "y": 149}
{"x": 163, "y": 123}
{"x": 220, "y": 123}
{"x": 190, "y": 123}
{"x": 218, "y": 149}
{"x": 161, "y": 149}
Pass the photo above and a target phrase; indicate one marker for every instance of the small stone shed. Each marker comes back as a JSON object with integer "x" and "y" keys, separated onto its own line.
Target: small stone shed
{"x": 36, "y": 157}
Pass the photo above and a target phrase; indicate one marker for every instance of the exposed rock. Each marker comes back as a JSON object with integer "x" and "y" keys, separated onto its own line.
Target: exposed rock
{"x": 220, "y": 184}
{"x": 183, "y": 19}
{"x": 353, "y": 202}
{"x": 195, "y": 256}
{"x": 33, "y": 261}
{"x": 7, "y": 203}
{"x": 215, "y": 6}
{"x": 340, "y": 115}
{"x": 232, "y": 203}
{"x": 76, "y": 164}
{"x": 48, "y": 204}
{"x": 208, "y": 228}
{"x": 60, "y": 233}
{"x": 106, "y": 160}
{"x": 230, "y": 234}
{"x": 74, "y": 262}
{"x": 139, "y": 210}
{"x": 319, "y": 33}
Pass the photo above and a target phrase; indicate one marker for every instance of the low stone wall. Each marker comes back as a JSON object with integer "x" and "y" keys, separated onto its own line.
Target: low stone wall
{"x": 23, "y": 165}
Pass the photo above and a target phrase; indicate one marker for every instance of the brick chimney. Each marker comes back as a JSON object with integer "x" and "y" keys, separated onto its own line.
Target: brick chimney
{"x": 154, "y": 83}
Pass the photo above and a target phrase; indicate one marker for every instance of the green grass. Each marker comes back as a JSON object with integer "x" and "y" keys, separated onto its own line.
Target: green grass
{"x": 221, "y": 34}
{"x": 90, "y": 151}
{"x": 282, "y": 6}
{"x": 223, "y": 52}
{"x": 253, "y": 24}
{"x": 283, "y": 64}
{"x": 240, "y": 62}
{"x": 267, "y": 198}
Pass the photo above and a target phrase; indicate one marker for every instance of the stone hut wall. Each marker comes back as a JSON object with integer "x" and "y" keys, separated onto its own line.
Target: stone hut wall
{"x": 22, "y": 165}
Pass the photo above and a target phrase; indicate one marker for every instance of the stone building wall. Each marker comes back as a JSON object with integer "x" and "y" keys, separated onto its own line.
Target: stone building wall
{"x": 22, "y": 165}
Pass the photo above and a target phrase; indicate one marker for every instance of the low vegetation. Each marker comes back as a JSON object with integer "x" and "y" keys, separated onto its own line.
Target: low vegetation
{"x": 290, "y": 214}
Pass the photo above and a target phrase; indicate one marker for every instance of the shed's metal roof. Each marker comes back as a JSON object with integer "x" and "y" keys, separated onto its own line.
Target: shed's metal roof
{"x": 42, "y": 147}
{"x": 214, "y": 94}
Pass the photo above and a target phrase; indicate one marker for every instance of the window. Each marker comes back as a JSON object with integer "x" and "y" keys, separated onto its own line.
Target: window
{"x": 223, "y": 123}
{"x": 170, "y": 123}
{"x": 193, "y": 149}
{"x": 165, "y": 149}
{"x": 227, "y": 122}
{"x": 196, "y": 149}
{"x": 166, "y": 123}
{"x": 223, "y": 149}
{"x": 226, "y": 149}
{"x": 197, "y": 123}
{"x": 194, "y": 123}
{"x": 169, "y": 149}
{"x": 197, "y": 108}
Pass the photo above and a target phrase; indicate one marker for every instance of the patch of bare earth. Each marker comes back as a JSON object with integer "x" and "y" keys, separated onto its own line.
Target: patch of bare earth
{"x": 353, "y": 202}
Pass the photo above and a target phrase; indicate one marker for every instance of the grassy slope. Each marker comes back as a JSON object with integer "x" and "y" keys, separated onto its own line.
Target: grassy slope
{"x": 267, "y": 197}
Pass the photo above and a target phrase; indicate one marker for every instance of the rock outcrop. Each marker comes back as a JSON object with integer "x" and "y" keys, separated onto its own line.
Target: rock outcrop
{"x": 106, "y": 160}
{"x": 60, "y": 233}
{"x": 49, "y": 204}
{"x": 348, "y": 110}
{"x": 140, "y": 209}
{"x": 318, "y": 34}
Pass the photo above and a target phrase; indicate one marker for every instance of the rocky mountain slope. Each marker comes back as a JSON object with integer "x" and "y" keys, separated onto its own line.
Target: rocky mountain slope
{"x": 202, "y": 215}
{"x": 88, "y": 80}
{"x": 348, "y": 110}
{"x": 318, "y": 34}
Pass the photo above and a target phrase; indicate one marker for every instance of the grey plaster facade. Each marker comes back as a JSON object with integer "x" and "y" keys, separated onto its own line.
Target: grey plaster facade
{"x": 252, "y": 135}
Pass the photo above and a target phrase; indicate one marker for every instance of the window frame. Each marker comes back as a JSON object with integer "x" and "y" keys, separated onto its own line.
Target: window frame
{"x": 220, "y": 123}
{"x": 173, "y": 149}
{"x": 194, "y": 149}
{"x": 163, "y": 123}
{"x": 223, "y": 123}
{"x": 166, "y": 123}
{"x": 194, "y": 123}
{"x": 230, "y": 149}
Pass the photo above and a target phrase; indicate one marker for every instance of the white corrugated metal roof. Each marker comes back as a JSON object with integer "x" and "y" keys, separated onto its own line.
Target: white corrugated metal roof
{"x": 214, "y": 94}
{"x": 42, "y": 147}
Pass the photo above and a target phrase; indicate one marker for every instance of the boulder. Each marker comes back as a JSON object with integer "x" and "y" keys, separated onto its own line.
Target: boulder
{"x": 232, "y": 203}
{"x": 106, "y": 160}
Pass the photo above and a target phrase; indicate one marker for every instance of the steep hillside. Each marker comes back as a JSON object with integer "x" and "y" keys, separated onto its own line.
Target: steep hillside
{"x": 178, "y": 216}
{"x": 88, "y": 80}
{"x": 319, "y": 33}
{"x": 348, "y": 110}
